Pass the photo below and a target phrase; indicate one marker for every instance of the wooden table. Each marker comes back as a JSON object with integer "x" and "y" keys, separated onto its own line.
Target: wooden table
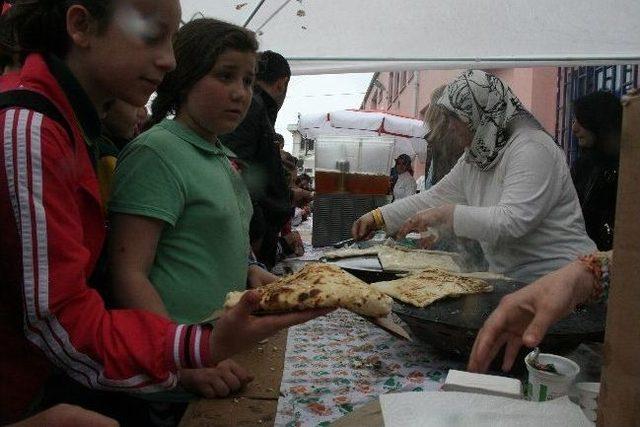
{"x": 257, "y": 403}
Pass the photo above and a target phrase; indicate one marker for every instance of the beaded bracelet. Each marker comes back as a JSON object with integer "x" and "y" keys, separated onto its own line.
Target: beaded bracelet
{"x": 598, "y": 265}
{"x": 378, "y": 218}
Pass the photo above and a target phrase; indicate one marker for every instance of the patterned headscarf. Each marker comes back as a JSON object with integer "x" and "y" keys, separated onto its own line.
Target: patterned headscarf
{"x": 487, "y": 105}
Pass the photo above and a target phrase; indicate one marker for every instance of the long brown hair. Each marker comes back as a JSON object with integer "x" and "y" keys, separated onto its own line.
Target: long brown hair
{"x": 197, "y": 46}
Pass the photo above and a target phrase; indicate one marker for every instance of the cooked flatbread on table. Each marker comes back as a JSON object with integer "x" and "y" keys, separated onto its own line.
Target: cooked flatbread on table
{"x": 398, "y": 258}
{"x": 320, "y": 285}
{"x": 353, "y": 252}
{"x": 425, "y": 287}
{"x": 401, "y": 259}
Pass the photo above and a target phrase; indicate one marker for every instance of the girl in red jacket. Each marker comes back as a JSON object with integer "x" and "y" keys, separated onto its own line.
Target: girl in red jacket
{"x": 80, "y": 56}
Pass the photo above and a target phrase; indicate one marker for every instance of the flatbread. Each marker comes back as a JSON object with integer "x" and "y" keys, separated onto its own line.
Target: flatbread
{"x": 320, "y": 285}
{"x": 425, "y": 287}
{"x": 398, "y": 258}
{"x": 353, "y": 252}
{"x": 401, "y": 259}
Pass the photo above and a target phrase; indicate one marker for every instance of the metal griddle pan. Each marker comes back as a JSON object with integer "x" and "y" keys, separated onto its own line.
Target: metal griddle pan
{"x": 451, "y": 324}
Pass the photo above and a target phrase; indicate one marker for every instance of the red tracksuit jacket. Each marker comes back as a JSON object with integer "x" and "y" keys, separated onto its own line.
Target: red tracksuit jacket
{"x": 52, "y": 232}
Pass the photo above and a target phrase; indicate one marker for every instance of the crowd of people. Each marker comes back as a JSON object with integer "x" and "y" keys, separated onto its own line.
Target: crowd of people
{"x": 123, "y": 232}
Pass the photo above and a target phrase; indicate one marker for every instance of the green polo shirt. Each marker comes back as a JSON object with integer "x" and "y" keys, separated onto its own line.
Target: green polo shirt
{"x": 172, "y": 174}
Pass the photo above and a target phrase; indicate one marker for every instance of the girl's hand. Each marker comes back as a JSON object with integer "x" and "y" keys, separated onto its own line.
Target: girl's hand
{"x": 217, "y": 382}
{"x": 258, "y": 276}
{"x": 524, "y": 316}
{"x": 440, "y": 218}
{"x": 238, "y": 329}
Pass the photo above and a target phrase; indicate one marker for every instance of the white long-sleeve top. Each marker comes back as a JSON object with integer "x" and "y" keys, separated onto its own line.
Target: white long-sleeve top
{"x": 405, "y": 186}
{"x": 524, "y": 211}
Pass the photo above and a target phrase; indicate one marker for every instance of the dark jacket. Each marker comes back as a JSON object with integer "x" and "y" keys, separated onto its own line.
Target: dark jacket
{"x": 595, "y": 177}
{"x": 253, "y": 143}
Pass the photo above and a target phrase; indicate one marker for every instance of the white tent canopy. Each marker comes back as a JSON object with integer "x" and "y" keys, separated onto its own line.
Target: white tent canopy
{"x": 408, "y": 133}
{"x": 337, "y": 36}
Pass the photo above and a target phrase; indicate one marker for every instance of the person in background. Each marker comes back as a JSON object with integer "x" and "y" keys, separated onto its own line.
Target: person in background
{"x": 304, "y": 181}
{"x": 279, "y": 141}
{"x": 80, "y": 56}
{"x": 511, "y": 191}
{"x": 120, "y": 125}
{"x": 253, "y": 142}
{"x": 405, "y": 184}
{"x": 597, "y": 125}
{"x": 445, "y": 148}
{"x": 523, "y": 317}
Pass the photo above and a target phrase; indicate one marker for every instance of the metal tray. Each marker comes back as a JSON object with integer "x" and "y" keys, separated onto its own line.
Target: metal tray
{"x": 366, "y": 268}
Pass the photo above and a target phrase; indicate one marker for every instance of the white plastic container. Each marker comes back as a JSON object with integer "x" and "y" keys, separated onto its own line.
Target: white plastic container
{"x": 543, "y": 385}
{"x": 364, "y": 154}
{"x": 587, "y": 394}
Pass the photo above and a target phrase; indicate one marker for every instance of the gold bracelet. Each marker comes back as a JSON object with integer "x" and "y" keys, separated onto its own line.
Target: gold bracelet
{"x": 378, "y": 218}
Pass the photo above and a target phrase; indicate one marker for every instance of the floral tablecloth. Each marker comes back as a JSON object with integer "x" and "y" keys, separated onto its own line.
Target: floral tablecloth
{"x": 339, "y": 362}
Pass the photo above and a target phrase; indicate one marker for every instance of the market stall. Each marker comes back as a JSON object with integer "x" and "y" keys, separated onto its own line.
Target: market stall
{"x": 320, "y": 37}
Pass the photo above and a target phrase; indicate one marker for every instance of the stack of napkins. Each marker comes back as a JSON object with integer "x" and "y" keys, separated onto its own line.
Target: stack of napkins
{"x": 482, "y": 384}
{"x": 448, "y": 409}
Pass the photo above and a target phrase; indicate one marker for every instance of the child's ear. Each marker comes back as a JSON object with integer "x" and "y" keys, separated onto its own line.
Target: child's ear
{"x": 80, "y": 25}
{"x": 282, "y": 83}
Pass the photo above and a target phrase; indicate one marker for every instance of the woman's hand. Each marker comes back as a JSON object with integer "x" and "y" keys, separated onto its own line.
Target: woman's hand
{"x": 217, "y": 382}
{"x": 440, "y": 218}
{"x": 364, "y": 227}
{"x": 524, "y": 316}
{"x": 238, "y": 329}
{"x": 258, "y": 276}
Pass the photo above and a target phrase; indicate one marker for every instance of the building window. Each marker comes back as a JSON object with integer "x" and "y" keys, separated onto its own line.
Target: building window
{"x": 374, "y": 101}
{"x": 575, "y": 82}
{"x": 403, "y": 79}
{"x": 307, "y": 146}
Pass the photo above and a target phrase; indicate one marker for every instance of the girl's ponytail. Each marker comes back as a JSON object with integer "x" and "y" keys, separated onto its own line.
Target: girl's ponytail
{"x": 162, "y": 105}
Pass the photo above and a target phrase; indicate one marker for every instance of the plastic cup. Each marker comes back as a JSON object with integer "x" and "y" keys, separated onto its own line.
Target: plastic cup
{"x": 543, "y": 385}
{"x": 587, "y": 394}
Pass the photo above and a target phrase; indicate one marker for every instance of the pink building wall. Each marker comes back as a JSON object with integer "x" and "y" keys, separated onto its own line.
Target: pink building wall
{"x": 536, "y": 87}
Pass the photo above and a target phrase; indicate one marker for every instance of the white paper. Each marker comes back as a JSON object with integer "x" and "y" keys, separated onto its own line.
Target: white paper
{"x": 439, "y": 409}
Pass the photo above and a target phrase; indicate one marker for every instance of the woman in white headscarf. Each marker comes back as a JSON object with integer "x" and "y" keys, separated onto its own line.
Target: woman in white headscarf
{"x": 511, "y": 190}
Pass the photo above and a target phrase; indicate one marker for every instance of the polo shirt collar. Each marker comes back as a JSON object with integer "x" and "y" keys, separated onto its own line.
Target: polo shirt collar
{"x": 194, "y": 139}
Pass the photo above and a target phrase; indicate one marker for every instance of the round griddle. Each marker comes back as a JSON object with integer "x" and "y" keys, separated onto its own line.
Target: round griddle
{"x": 451, "y": 324}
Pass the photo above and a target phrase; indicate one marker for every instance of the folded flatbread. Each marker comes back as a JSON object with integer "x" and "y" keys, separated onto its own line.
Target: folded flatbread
{"x": 398, "y": 258}
{"x": 320, "y": 285}
{"x": 423, "y": 288}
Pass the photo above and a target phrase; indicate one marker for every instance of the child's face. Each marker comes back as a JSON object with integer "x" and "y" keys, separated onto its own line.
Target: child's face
{"x": 122, "y": 119}
{"x": 131, "y": 57}
{"x": 218, "y": 102}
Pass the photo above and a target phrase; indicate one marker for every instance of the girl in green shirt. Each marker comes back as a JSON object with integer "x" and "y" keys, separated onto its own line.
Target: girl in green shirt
{"x": 179, "y": 209}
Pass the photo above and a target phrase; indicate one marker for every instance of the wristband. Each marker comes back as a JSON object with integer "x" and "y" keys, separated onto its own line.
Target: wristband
{"x": 598, "y": 265}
